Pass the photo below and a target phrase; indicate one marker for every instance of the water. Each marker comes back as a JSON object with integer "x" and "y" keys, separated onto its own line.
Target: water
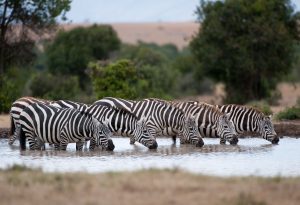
{"x": 252, "y": 156}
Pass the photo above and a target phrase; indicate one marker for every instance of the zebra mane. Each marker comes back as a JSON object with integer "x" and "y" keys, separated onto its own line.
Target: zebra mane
{"x": 168, "y": 103}
{"x": 119, "y": 108}
{"x": 256, "y": 110}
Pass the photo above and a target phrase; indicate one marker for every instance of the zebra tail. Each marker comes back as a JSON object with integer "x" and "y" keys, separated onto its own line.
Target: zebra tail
{"x": 12, "y": 127}
{"x": 22, "y": 139}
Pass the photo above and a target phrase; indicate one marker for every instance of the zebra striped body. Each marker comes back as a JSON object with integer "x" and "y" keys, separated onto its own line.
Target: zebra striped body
{"x": 249, "y": 119}
{"x": 121, "y": 122}
{"x": 49, "y": 124}
{"x": 70, "y": 104}
{"x": 211, "y": 122}
{"x": 162, "y": 118}
{"x": 17, "y": 107}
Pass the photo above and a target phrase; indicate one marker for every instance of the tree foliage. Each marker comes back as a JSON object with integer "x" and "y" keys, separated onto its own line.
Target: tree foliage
{"x": 20, "y": 22}
{"x": 116, "y": 80}
{"x": 71, "y": 51}
{"x": 248, "y": 45}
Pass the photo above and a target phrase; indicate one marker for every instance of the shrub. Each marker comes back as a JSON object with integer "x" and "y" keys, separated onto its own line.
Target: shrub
{"x": 291, "y": 113}
{"x": 116, "y": 79}
{"x": 71, "y": 51}
{"x": 46, "y": 85}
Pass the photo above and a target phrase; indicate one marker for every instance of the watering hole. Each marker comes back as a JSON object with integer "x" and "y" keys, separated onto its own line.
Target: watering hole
{"x": 253, "y": 156}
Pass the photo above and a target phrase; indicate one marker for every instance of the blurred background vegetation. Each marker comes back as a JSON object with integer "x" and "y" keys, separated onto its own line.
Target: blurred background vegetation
{"x": 249, "y": 46}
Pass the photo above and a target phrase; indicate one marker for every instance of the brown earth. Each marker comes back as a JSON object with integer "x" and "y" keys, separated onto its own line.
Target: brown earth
{"x": 178, "y": 34}
{"x": 143, "y": 187}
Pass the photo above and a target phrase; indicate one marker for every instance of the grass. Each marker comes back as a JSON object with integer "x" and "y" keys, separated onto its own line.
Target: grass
{"x": 22, "y": 185}
{"x": 291, "y": 113}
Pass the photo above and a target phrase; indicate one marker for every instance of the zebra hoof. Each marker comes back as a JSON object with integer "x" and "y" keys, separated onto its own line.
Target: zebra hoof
{"x": 200, "y": 143}
{"x": 153, "y": 146}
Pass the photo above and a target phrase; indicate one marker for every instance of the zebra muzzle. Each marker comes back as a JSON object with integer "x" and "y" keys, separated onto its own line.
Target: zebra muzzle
{"x": 275, "y": 140}
{"x": 111, "y": 145}
{"x": 200, "y": 143}
{"x": 234, "y": 140}
{"x": 153, "y": 146}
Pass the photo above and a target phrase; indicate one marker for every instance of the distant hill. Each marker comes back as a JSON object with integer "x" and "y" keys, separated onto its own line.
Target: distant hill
{"x": 161, "y": 33}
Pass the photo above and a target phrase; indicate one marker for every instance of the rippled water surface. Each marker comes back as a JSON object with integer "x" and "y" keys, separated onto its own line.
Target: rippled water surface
{"x": 252, "y": 156}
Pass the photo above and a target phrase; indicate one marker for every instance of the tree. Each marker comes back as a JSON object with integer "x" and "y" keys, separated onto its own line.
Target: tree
{"x": 20, "y": 22}
{"x": 248, "y": 45}
{"x": 71, "y": 51}
{"x": 116, "y": 80}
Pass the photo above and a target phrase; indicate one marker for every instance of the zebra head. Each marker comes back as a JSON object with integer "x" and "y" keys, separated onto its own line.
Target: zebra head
{"x": 267, "y": 130}
{"x": 143, "y": 136}
{"x": 191, "y": 129}
{"x": 102, "y": 135}
{"x": 226, "y": 130}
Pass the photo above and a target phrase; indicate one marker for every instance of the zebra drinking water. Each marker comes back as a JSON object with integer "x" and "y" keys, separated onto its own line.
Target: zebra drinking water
{"x": 163, "y": 118}
{"x": 42, "y": 123}
{"x": 120, "y": 122}
{"x": 211, "y": 122}
{"x": 247, "y": 118}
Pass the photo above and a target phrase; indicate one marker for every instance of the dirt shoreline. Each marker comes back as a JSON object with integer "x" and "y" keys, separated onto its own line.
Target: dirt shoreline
{"x": 289, "y": 128}
{"x": 143, "y": 187}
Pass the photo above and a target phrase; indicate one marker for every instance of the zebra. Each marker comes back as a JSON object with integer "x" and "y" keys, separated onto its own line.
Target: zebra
{"x": 124, "y": 123}
{"x": 247, "y": 118}
{"x": 120, "y": 122}
{"x": 163, "y": 118}
{"x": 45, "y": 123}
{"x": 17, "y": 107}
{"x": 211, "y": 121}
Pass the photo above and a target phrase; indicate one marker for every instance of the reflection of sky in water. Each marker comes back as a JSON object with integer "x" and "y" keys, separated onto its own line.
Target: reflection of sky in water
{"x": 251, "y": 157}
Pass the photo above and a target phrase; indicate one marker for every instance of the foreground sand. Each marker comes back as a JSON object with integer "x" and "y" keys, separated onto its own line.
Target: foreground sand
{"x": 20, "y": 186}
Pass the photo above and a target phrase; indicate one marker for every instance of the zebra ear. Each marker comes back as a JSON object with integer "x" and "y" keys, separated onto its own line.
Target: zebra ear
{"x": 269, "y": 117}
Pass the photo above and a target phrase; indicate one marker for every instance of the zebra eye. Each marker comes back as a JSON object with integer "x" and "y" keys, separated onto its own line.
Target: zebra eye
{"x": 225, "y": 126}
{"x": 266, "y": 127}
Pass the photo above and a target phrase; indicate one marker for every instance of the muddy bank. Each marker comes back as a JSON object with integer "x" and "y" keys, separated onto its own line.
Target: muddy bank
{"x": 289, "y": 128}
{"x": 157, "y": 187}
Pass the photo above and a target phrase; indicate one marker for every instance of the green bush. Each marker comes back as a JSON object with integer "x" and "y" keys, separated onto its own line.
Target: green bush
{"x": 71, "y": 51}
{"x": 12, "y": 86}
{"x": 291, "y": 113}
{"x": 116, "y": 79}
{"x": 48, "y": 86}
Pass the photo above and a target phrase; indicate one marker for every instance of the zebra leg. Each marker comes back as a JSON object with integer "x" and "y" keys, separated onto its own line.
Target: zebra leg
{"x": 15, "y": 135}
{"x": 174, "y": 139}
{"x": 92, "y": 144}
{"x": 79, "y": 145}
{"x": 56, "y": 146}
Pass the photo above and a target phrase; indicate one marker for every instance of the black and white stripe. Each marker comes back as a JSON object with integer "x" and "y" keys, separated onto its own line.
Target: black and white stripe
{"x": 17, "y": 107}
{"x": 119, "y": 121}
{"x": 163, "y": 118}
{"x": 42, "y": 123}
{"x": 211, "y": 122}
{"x": 249, "y": 119}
